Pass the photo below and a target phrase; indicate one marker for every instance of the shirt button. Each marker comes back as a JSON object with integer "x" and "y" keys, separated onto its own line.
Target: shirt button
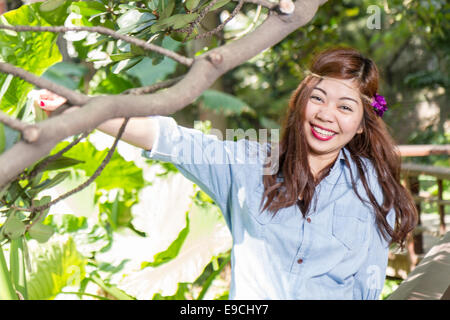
{"x": 308, "y": 219}
{"x": 300, "y": 261}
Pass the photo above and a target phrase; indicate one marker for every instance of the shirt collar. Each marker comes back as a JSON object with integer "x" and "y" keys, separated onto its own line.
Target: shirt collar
{"x": 338, "y": 167}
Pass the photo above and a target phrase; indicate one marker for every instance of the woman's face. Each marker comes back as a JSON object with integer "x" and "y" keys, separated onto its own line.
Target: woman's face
{"x": 333, "y": 116}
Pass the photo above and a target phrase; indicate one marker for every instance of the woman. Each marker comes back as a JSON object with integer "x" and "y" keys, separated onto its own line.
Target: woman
{"x": 319, "y": 226}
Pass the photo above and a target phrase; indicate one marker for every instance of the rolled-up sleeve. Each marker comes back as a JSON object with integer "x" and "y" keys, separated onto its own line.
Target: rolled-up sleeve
{"x": 213, "y": 164}
{"x": 370, "y": 278}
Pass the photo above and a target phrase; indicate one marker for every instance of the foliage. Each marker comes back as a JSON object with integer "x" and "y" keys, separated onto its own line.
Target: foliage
{"x": 389, "y": 286}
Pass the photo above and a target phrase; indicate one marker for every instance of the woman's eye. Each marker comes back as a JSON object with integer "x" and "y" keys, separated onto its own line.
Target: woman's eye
{"x": 346, "y": 108}
{"x": 317, "y": 98}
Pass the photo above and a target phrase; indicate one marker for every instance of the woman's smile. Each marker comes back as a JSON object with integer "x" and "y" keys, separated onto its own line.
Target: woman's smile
{"x": 321, "y": 133}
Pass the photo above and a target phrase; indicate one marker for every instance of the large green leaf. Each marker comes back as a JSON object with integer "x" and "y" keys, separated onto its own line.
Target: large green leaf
{"x": 172, "y": 251}
{"x": 32, "y": 51}
{"x": 188, "y": 255}
{"x": 149, "y": 72}
{"x": 55, "y": 265}
{"x": 66, "y": 74}
{"x": 223, "y": 102}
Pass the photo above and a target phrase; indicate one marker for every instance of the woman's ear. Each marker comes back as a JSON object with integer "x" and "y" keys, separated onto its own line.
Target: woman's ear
{"x": 360, "y": 129}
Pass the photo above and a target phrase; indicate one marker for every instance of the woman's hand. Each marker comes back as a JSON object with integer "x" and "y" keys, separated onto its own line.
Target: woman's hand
{"x": 49, "y": 101}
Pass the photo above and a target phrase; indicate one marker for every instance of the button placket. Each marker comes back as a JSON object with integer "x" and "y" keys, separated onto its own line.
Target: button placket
{"x": 298, "y": 262}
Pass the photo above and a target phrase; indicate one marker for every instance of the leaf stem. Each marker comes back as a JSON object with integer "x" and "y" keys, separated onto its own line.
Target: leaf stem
{"x": 7, "y": 291}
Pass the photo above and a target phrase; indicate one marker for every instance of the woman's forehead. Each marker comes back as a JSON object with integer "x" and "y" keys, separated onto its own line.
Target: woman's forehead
{"x": 339, "y": 87}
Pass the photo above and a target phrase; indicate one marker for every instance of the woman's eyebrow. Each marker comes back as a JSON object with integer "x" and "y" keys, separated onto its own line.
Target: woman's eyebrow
{"x": 342, "y": 98}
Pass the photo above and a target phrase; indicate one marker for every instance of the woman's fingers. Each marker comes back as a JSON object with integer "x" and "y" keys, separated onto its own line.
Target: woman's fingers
{"x": 48, "y": 100}
{"x": 52, "y": 104}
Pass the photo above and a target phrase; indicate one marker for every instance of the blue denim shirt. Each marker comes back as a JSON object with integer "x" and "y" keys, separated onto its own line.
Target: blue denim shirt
{"x": 337, "y": 252}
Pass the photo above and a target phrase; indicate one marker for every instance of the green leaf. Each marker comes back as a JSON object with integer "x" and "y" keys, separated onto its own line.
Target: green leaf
{"x": 118, "y": 173}
{"x": 13, "y": 228}
{"x": 15, "y": 49}
{"x": 218, "y": 5}
{"x": 148, "y": 73}
{"x": 67, "y": 74}
{"x": 177, "y": 21}
{"x": 44, "y": 200}
{"x": 223, "y": 103}
{"x": 134, "y": 21}
{"x": 207, "y": 238}
{"x": 17, "y": 265}
{"x": 191, "y": 4}
{"x": 118, "y": 211}
{"x": 172, "y": 251}
{"x": 109, "y": 288}
{"x": 51, "y": 5}
{"x": 60, "y": 163}
{"x": 165, "y": 8}
{"x": 87, "y": 8}
{"x": 56, "y": 265}
{"x": 50, "y": 183}
{"x": 109, "y": 83}
{"x": 41, "y": 232}
{"x": 11, "y": 137}
{"x": 7, "y": 291}
{"x": 125, "y": 65}
{"x": 66, "y": 223}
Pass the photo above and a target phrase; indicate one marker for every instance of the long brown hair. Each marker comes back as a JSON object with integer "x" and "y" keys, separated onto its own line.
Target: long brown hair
{"x": 375, "y": 144}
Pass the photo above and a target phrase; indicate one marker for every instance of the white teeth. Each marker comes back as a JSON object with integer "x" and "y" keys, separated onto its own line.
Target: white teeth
{"x": 324, "y": 132}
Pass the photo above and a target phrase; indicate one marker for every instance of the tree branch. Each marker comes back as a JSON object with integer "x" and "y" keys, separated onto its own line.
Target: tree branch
{"x": 154, "y": 87}
{"x": 203, "y": 73}
{"x": 41, "y": 166}
{"x": 97, "y": 172}
{"x": 73, "y": 97}
{"x": 30, "y": 132}
{"x": 106, "y": 31}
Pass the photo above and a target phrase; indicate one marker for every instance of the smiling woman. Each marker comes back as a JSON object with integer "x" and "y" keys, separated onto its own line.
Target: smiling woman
{"x": 335, "y": 152}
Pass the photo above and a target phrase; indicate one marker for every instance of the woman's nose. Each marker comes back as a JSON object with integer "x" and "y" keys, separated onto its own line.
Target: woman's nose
{"x": 325, "y": 113}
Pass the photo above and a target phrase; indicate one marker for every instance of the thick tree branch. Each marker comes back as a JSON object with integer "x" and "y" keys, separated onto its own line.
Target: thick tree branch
{"x": 204, "y": 71}
{"x": 113, "y": 34}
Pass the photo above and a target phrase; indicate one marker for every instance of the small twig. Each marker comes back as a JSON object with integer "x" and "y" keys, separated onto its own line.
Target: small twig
{"x": 106, "y": 31}
{"x": 30, "y": 132}
{"x": 222, "y": 25}
{"x": 97, "y": 172}
{"x": 57, "y": 155}
{"x": 154, "y": 87}
{"x": 200, "y": 17}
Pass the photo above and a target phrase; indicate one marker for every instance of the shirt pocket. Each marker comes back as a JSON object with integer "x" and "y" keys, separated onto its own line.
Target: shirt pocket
{"x": 350, "y": 224}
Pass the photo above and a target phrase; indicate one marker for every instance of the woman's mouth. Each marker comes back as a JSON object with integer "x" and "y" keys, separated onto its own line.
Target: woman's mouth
{"x": 321, "y": 134}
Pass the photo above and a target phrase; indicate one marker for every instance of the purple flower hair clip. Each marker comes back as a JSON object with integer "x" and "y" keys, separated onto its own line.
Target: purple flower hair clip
{"x": 379, "y": 104}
